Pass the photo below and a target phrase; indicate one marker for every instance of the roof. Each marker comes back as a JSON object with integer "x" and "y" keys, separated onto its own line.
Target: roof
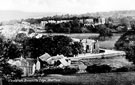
{"x": 88, "y": 41}
{"x": 76, "y": 39}
{"x": 44, "y": 57}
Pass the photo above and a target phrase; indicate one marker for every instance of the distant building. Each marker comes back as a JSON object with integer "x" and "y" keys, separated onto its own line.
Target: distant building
{"x": 43, "y": 23}
{"x": 95, "y": 21}
{"x": 88, "y": 22}
{"x": 52, "y": 21}
{"x": 102, "y": 20}
{"x": 98, "y": 21}
{"x": 25, "y": 23}
{"x": 62, "y": 21}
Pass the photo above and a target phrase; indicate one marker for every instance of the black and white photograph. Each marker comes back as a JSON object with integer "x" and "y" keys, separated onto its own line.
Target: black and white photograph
{"x": 67, "y": 42}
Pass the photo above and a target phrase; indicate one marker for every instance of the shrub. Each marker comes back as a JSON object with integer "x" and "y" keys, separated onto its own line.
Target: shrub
{"x": 122, "y": 69}
{"x": 98, "y": 69}
{"x": 58, "y": 70}
{"x": 125, "y": 69}
{"x": 9, "y": 71}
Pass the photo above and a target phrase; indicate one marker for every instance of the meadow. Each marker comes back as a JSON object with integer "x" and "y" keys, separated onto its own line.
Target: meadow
{"x": 119, "y": 78}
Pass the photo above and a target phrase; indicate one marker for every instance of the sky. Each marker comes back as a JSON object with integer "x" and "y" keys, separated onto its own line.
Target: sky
{"x": 67, "y": 6}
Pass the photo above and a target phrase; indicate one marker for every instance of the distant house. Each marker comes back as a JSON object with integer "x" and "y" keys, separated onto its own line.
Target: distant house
{"x": 52, "y": 21}
{"x": 43, "y": 23}
{"x": 61, "y": 21}
{"x": 98, "y": 21}
{"x": 88, "y": 22}
{"x": 25, "y": 23}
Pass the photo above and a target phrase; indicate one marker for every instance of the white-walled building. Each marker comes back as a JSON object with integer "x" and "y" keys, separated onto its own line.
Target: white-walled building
{"x": 27, "y": 65}
{"x": 89, "y": 45}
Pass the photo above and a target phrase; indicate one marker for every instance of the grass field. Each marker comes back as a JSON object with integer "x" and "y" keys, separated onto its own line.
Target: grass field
{"x": 118, "y": 78}
{"x": 109, "y": 44}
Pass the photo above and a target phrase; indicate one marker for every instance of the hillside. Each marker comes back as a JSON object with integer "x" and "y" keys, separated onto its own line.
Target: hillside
{"x": 11, "y": 15}
{"x": 114, "y": 14}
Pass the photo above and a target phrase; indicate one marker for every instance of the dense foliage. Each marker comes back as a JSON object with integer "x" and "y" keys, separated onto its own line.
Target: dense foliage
{"x": 104, "y": 31}
{"x": 58, "y": 70}
{"x": 74, "y": 26}
{"x": 35, "y": 47}
{"x": 127, "y": 43}
{"x": 9, "y": 71}
{"x": 78, "y": 24}
{"x": 107, "y": 68}
{"x": 8, "y": 49}
{"x": 98, "y": 69}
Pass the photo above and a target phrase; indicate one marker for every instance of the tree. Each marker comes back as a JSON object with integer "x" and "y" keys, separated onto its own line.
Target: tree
{"x": 127, "y": 43}
{"x": 77, "y": 48}
{"x": 132, "y": 24}
{"x": 8, "y": 49}
{"x": 104, "y": 31}
{"x": 76, "y": 26}
{"x": 20, "y": 37}
{"x": 52, "y": 44}
{"x": 125, "y": 22}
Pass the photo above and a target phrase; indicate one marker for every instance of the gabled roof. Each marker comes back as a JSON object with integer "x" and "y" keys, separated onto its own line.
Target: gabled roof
{"x": 44, "y": 57}
{"x": 88, "y": 41}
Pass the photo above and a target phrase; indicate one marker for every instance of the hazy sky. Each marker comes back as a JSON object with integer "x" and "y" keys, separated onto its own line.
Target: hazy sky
{"x": 67, "y": 6}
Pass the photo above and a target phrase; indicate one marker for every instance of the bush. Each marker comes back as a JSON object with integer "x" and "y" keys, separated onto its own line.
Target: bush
{"x": 58, "y": 70}
{"x": 98, "y": 69}
{"x": 122, "y": 69}
{"x": 9, "y": 71}
{"x": 125, "y": 69}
